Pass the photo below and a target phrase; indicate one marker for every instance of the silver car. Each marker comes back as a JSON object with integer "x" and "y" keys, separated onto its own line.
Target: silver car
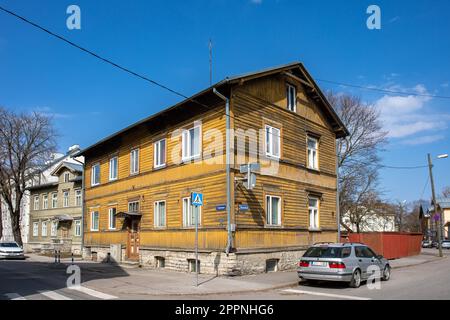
{"x": 11, "y": 250}
{"x": 445, "y": 244}
{"x": 347, "y": 262}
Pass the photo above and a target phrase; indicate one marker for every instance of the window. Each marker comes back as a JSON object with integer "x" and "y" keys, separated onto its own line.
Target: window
{"x": 134, "y": 161}
{"x": 160, "y": 153}
{"x": 94, "y": 221}
{"x": 190, "y": 212}
{"x": 95, "y": 175}
{"x": 78, "y": 200}
{"x": 313, "y": 213}
{"x": 272, "y": 142}
{"x": 112, "y": 218}
{"x": 45, "y": 201}
{"x": 65, "y": 199}
{"x": 66, "y": 177}
{"x": 273, "y": 210}
{"x": 133, "y": 206}
{"x": 54, "y": 230}
{"x": 36, "y": 203}
{"x": 291, "y": 98}
{"x": 313, "y": 162}
{"x": 113, "y": 168}
{"x": 44, "y": 229}
{"x": 54, "y": 200}
{"x": 359, "y": 252}
{"x": 35, "y": 229}
{"x": 78, "y": 228}
{"x": 191, "y": 143}
{"x": 160, "y": 213}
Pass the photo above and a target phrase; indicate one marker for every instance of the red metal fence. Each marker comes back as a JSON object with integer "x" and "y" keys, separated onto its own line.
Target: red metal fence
{"x": 391, "y": 245}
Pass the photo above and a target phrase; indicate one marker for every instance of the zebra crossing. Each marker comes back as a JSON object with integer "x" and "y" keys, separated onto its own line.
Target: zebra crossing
{"x": 71, "y": 293}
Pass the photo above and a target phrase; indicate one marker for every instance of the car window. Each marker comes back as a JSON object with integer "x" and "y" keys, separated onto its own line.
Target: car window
{"x": 325, "y": 252}
{"x": 346, "y": 252}
{"x": 359, "y": 252}
{"x": 368, "y": 253}
{"x": 9, "y": 245}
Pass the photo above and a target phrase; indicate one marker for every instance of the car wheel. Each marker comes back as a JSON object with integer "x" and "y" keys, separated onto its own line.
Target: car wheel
{"x": 386, "y": 273}
{"x": 356, "y": 279}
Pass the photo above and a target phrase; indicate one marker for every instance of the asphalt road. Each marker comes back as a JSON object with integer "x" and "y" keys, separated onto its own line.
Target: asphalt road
{"x": 43, "y": 281}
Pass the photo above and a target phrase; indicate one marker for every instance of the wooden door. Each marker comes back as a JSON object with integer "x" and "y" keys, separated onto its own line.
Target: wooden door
{"x": 133, "y": 239}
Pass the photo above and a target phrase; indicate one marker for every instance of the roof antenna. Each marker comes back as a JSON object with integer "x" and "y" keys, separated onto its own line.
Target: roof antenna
{"x": 210, "y": 62}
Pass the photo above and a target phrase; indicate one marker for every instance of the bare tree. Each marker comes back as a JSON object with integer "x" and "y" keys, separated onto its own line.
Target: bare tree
{"x": 446, "y": 192}
{"x": 358, "y": 158}
{"x": 26, "y": 143}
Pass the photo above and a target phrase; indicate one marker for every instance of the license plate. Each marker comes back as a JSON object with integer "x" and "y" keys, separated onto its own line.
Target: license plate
{"x": 319, "y": 264}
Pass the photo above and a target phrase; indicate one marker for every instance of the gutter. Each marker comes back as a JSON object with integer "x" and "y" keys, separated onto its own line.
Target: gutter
{"x": 228, "y": 170}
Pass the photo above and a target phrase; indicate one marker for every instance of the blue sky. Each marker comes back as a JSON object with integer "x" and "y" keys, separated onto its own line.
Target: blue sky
{"x": 168, "y": 41}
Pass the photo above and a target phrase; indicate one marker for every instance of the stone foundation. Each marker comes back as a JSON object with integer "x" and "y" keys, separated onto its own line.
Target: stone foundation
{"x": 217, "y": 263}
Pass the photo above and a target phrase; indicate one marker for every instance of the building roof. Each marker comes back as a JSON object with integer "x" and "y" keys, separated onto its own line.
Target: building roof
{"x": 202, "y": 99}
{"x": 73, "y": 167}
{"x": 42, "y": 186}
{"x": 443, "y": 203}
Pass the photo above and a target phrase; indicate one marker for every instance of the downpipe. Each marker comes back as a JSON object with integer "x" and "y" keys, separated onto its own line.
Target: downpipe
{"x": 228, "y": 170}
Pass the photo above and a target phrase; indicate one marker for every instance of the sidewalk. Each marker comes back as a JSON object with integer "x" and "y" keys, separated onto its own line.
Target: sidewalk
{"x": 125, "y": 281}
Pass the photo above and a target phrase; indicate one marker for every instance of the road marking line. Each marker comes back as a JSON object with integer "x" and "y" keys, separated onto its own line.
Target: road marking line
{"x": 54, "y": 295}
{"x": 331, "y": 295}
{"x": 93, "y": 293}
{"x": 14, "y": 296}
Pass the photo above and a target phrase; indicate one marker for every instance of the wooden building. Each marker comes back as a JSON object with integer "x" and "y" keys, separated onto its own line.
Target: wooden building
{"x": 139, "y": 180}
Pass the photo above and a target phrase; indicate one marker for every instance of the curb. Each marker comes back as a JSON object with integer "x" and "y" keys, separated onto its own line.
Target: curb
{"x": 418, "y": 264}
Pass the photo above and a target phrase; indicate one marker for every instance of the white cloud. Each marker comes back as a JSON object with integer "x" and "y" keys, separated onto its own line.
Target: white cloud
{"x": 424, "y": 139}
{"x": 408, "y": 115}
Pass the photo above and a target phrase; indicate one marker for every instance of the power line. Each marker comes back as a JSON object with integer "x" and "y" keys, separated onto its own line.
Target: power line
{"x": 384, "y": 90}
{"x": 186, "y": 97}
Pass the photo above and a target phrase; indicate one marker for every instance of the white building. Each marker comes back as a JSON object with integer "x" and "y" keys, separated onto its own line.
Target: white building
{"x": 43, "y": 177}
{"x": 372, "y": 222}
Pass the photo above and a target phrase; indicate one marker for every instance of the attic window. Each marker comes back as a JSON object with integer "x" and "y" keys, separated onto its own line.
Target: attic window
{"x": 291, "y": 92}
{"x": 66, "y": 177}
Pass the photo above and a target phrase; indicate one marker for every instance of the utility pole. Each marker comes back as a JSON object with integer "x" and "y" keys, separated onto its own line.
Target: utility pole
{"x": 436, "y": 211}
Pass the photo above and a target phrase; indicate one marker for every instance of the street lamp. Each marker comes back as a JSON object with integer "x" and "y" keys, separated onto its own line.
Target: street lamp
{"x": 439, "y": 231}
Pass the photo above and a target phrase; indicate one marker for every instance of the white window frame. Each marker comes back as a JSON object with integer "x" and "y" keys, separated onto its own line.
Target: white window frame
{"x": 113, "y": 168}
{"x": 35, "y": 229}
{"x": 66, "y": 174}
{"x": 313, "y": 152}
{"x": 313, "y": 213}
{"x": 66, "y": 195}
{"x": 44, "y": 228}
{"x": 132, "y": 203}
{"x": 134, "y": 161}
{"x": 54, "y": 200}
{"x": 45, "y": 201}
{"x": 157, "y": 153}
{"x": 112, "y": 218}
{"x": 93, "y": 175}
{"x": 188, "y": 213}
{"x": 269, "y": 212}
{"x": 270, "y": 135}
{"x": 291, "y": 95}
{"x": 93, "y": 227}
{"x": 187, "y": 153}
{"x": 36, "y": 203}
{"x": 78, "y": 197}
{"x": 77, "y": 231}
{"x": 156, "y": 208}
{"x": 54, "y": 228}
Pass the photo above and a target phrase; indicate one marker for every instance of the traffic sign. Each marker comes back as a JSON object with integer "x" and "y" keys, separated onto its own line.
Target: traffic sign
{"x": 197, "y": 199}
{"x": 253, "y": 167}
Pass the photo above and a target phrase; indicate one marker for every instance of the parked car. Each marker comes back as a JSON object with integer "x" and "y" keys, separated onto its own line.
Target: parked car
{"x": 11, "y": 250}
{"x": 346, "y": 262}
{"x": 446, "y": 244}
{"x": 427, "y": 244}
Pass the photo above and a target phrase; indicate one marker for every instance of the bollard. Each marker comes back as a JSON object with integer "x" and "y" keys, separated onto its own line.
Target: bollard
{"x": 59, "y": 256}
{"x": 72, "y": 257}
{"x": 55, "y": 257}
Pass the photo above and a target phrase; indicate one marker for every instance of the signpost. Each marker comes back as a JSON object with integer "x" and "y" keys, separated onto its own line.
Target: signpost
{"x": 196, "y": 201}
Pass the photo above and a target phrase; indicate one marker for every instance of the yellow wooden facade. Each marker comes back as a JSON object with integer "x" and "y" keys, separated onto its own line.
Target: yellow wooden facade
{"x": 255, "y": 102}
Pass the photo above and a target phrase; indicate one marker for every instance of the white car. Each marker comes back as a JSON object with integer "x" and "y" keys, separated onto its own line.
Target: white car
{"x": 11, "y": 250}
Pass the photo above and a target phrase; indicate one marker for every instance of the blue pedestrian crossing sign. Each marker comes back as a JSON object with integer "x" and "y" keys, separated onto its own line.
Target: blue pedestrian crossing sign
{"x": 196, "y": 199}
